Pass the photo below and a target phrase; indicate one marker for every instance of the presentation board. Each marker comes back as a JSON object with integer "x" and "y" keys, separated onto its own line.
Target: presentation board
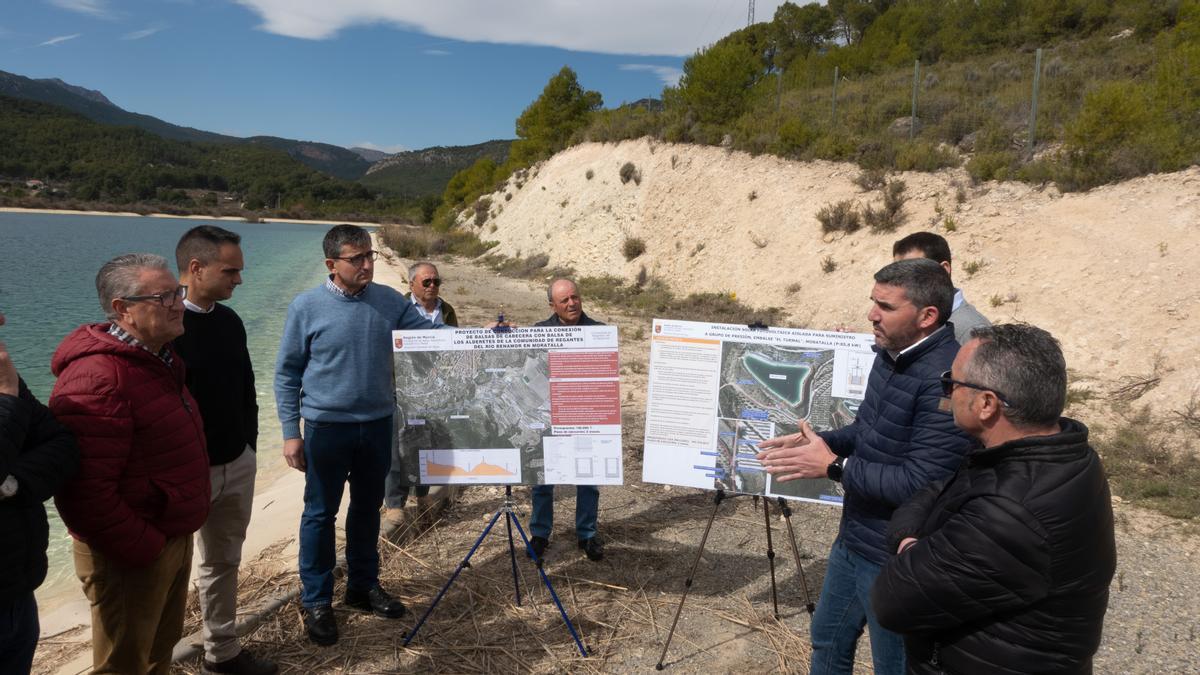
{"x": 716, "y": 390}
{"x": 533, "y": 406}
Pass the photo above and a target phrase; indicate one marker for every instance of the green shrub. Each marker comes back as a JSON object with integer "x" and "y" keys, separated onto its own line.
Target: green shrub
{"x": 632, "y": 247}
{"x": 839, "y": 217}
{"x": 891, "y": 216}
{"x": 986, "y": 166}
{"x": 629, "y": 172}
{"x": 871, "y": 179}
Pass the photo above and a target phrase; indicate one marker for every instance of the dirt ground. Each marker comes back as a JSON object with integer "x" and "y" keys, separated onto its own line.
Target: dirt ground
{"x": 623, "y": 606}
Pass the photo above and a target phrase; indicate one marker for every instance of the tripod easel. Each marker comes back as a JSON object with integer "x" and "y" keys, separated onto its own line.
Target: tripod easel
{"x": 510, "y": 519}
{"x": 786, "y": 510}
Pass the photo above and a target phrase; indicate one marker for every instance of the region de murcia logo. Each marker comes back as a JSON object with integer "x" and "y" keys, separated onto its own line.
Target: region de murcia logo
{"x": 658, "y": 328}
{"x": 399, "y": 343}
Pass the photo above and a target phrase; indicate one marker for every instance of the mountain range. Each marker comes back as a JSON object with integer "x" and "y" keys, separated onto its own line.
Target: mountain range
{"x": 410, "y": 173}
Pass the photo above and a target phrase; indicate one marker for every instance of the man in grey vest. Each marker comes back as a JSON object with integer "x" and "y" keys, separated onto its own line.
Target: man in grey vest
{"x": 964, "y": 316}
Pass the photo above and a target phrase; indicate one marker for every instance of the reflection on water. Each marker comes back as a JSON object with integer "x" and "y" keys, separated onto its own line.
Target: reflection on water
{"x": 48, "y": 265}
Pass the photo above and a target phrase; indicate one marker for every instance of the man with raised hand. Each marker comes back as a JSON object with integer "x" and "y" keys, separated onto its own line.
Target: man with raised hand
{"x": 220, "y": 377}
{"x": 37, "y": 454}
{"x": 563, "y": 296}
{"x": 901, "y": 441}
{"x": 425, "y": 286}
{"x": 334, "y": 370}
{"x": 143, "y": 485}
{"x": 963, "y": 314}
{"x": 1005, "y": 567}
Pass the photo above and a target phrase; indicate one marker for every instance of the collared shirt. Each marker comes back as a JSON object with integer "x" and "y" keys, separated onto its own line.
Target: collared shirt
{"x": 191, "y": 307}
{"x": 124, "y": 336}
{"x": 343, "y": 292}
{"x": 435, "y": 316}
{"x": 958, "y": 299}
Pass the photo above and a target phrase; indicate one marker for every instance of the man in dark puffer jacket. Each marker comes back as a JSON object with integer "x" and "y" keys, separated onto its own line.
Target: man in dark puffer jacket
{"x": 36, "y": 455}
{"x": 1005, "y": 567}
{"x": 901, "y": 441}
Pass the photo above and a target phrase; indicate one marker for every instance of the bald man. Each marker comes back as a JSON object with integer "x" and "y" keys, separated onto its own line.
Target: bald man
{"x": 567, "y": 306}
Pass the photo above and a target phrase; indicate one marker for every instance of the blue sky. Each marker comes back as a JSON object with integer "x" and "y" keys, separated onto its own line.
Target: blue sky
{"x": 388, "y": 74}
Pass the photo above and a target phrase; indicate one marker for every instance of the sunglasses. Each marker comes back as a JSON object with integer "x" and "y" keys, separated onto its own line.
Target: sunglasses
{"x": 949, "y": 383}
{"x": 431, "y": 281}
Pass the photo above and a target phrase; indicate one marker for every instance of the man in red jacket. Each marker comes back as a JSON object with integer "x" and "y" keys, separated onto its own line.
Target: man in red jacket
{"x": 143, "y": 484}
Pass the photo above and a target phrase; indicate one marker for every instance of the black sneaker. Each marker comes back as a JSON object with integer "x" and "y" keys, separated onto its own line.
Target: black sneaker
{"x": 245, "y": 663}
{"x": 321, "y": 627}
{"x": 377, "y": 601}
{"x": 539, "y": 546}
{"x": 593, "y": 547}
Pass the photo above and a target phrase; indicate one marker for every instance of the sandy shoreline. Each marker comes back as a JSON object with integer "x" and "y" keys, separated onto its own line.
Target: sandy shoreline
{"x": 130, "y": 214}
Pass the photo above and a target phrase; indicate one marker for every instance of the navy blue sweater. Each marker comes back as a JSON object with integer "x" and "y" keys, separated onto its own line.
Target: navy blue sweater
{"x": 899, "y": 443}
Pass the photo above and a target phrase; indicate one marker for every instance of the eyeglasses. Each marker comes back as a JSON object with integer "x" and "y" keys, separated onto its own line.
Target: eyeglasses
{"x": 431, "y": 281}
{"x": 948, "y": 384}
{"x": 358, "y": 260}
{"x": 166, "y": 298}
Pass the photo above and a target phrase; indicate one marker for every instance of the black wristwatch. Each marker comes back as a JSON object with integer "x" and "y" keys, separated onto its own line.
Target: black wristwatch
{"x": 834, "y": 470}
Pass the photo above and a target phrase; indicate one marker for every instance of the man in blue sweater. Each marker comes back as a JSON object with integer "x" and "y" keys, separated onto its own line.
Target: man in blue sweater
{"x": 334, "y": 371}
{"x": 902, "y": 440}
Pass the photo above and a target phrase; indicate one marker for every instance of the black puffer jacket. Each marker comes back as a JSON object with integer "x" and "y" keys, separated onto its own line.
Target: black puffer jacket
{"x": 40, "y": 453}
{"x": 1014, "y": 557}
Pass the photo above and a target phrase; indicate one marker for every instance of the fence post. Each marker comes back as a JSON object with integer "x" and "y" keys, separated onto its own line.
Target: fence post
{"x": 1037, "y": 81}
{"x": 835, "y": 82}
{"x": 912, "y": 128}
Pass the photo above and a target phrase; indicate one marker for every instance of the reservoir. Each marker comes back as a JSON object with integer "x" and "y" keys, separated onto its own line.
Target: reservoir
{"x": 48, "y": 269}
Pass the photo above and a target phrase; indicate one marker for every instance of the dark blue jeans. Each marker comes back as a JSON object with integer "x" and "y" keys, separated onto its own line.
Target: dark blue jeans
{"x": 587, "y": 504}
{"x": 336, "y": 452}
{"x": 18, "y": 634}
{"x": 843, "y": 609}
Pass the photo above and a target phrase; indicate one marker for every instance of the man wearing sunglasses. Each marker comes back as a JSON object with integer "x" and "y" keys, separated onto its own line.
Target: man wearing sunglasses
{"x": 334, "y": 371}
{"x": 901, "y": 440}
{"x": 143, "y": 485}
{"x": 1005, "y": 567}
{"x": 425, "y": 286}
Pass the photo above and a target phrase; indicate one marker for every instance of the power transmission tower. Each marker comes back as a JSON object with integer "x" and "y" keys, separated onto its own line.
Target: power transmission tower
{"x": 750, "y": 14}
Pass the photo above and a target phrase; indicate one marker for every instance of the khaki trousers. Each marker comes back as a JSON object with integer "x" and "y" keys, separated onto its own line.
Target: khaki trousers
{"x": 219, "y": 545}
{"x": 137, "y": 612}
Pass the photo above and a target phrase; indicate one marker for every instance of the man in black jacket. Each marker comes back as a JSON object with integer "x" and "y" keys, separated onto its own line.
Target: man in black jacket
{"x": 900, "y": 441}
{"x": 221, "y": 379}
{"x": 1005, "y": 567}
{"x": 37, "y": 454}
{"x": 567, "y": 306}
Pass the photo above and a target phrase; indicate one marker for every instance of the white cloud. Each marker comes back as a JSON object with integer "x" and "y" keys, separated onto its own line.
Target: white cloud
{"x": 60, "y": 39}
{"x": 652, "y": 27}
{"x": 435, "y": 52}
{"x": 668, "y": 74}
{"x": 90, "y": 7}
{"x": 144, "y": 33}
{"x": 389, "y": 149}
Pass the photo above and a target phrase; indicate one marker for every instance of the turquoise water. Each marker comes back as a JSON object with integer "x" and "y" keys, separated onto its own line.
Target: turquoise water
{"x": 48, "y": 266}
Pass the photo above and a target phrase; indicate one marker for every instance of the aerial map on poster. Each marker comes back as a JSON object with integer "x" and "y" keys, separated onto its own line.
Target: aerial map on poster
{"x": 537, "y": 406}
{"x": 716, "y": 390}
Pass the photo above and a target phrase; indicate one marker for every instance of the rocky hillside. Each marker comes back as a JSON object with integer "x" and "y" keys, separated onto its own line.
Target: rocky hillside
{"x": 426, "y": 172}
{"x": 1114, "y": 273}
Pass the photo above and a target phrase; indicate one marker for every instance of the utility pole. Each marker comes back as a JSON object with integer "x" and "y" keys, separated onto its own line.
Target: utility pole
{"x": 750, "y": 15}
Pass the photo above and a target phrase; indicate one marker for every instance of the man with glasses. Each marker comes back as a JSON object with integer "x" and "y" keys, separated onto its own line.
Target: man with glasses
{"x": 220, "y": 376}
{"x": 1005, "y": 567}
{"x": 37, "y": 454}
{"x": 143, "y": 485}
{"x": 425, "y": 286}
{"x": 901, "y": 440}
{"x": 334, "y": 371}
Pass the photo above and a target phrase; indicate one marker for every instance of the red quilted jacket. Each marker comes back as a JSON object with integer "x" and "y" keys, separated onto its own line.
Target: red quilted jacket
{"x": 143, "y": 475}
